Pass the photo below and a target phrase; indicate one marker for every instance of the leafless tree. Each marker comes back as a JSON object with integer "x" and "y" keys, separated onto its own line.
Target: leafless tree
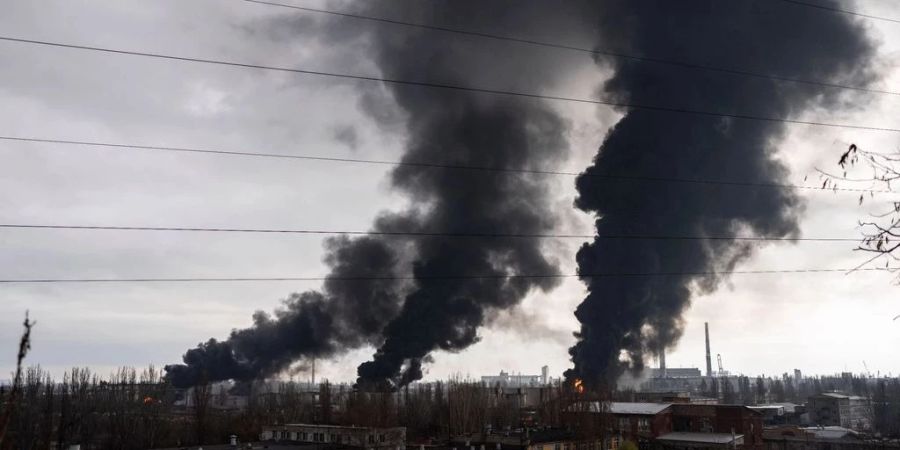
{"x": 12, "y": 399}
{"x": 467, "y": 404}
{"x": 871, "y": 172}
{"x": 201, "y": 395}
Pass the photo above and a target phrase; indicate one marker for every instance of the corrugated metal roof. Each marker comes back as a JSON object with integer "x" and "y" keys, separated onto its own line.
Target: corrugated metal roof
{"x": 710, "y": 438}
{"x": 831, "y": 432}
{"x": 637, "y": 408}
{"x": 842, "y": 396}
{"x": 779, "y": 410}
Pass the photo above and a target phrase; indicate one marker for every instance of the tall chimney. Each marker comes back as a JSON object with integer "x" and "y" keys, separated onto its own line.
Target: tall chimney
{"x": 662, "y": 362}
{"x": 709, "y": 372}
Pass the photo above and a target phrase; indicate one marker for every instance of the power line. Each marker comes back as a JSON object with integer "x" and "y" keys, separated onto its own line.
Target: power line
{"x": 682, "y": 64}
{"x": 454, "y": 87}
{"x": 425, "y": 233}
{"x": 447, "y": 277}
{"x": 833, "y": 9}
{"x": 636, "y": 178}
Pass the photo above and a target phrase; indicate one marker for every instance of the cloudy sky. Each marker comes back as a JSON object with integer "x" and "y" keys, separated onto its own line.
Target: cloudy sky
{"x": 819, "y": 323}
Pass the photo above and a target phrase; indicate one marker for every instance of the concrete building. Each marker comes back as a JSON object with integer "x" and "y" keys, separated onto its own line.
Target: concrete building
{"x": 506, "y": 379}
{"x": 837, "y": 409}
{"x": 338, "y": 436}
{"x": 771, "y": 414}
{"x": 678, "y": 425}
{"x": 662, "y": 397}
{"x": 674, "y": 372}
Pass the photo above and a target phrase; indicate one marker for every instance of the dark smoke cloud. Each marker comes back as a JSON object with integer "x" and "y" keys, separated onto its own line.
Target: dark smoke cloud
{"x": 624, "y": 319}
{"x": 408, "y": 322}
{"x": 466, "y": 128}
{"x": 344, "y": 315}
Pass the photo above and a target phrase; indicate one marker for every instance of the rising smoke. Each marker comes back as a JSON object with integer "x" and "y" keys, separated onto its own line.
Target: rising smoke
{"x": 343, "y": 316}
{"x": 407, "y": 322}
{"x": 469, "y": 128}
{"x": 623, "y": 319}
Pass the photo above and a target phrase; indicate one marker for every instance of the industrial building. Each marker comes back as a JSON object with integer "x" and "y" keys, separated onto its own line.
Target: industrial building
{"x": 506, "y": 379}
{"x": 678, "y": 425}
{"x": 838, "y": 409}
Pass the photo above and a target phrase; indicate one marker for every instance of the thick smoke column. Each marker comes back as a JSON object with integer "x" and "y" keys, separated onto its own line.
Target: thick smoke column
{"x": 442, "y": 126}
{"x": 469, "y": 128}
{"x": 345, "y": 315}
{"x": 624, "y": 318}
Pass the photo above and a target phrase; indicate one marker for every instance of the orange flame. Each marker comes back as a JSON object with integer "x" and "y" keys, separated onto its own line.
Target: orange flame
{"x": 148, "y": 400}
{"x": 578, "y": 384}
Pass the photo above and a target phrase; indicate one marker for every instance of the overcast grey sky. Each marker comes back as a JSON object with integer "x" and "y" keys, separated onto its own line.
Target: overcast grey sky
{"x": 820, "y": 323}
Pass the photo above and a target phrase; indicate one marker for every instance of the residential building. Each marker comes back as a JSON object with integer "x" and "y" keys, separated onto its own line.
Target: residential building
{"x": 338, "y": 436}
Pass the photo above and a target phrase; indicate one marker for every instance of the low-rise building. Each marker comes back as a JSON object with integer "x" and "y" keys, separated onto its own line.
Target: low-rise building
{"x": 792, "y": 437}
{"x": 676, "y": 425}
{"x": 691, "y": 441}
{"x": 338, "y": 436}
{"x": 841, "y": 410}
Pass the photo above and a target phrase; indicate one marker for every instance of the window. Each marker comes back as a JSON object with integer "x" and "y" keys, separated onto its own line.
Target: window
{"x": 304, "y": 436}
{"x": 644, "y": 425}
{"x": 371, "y": 438}
{"x": 381, "y": 438}
{"x": 624, "y": 424}
{"x": 334, "y": 438}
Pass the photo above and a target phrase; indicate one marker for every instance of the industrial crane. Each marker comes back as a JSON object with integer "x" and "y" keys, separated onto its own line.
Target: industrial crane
{"x": 721, "y": 369}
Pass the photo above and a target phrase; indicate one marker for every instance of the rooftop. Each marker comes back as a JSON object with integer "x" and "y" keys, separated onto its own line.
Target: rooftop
{"x": 788, "y": 406}
{"x": 831, "y": 432}
{"x": 343, "y": 427}
{"x": 637, "y": 408}
{"x": 780, "y": 409}
{"x": 707, "y": 438}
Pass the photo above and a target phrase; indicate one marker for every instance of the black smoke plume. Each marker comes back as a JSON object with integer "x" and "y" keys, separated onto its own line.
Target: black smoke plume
{"x": 408, "y": 321}
{"x": 470, "y": 129}
{"x": 344, "y": 315}
{"x": 623, "y": 319}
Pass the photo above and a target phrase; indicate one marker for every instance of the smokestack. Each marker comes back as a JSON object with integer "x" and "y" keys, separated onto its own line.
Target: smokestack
{"x": 622, "y": 318}
{"x": 708, "y": 353}
{"x": 662, "y": 362}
